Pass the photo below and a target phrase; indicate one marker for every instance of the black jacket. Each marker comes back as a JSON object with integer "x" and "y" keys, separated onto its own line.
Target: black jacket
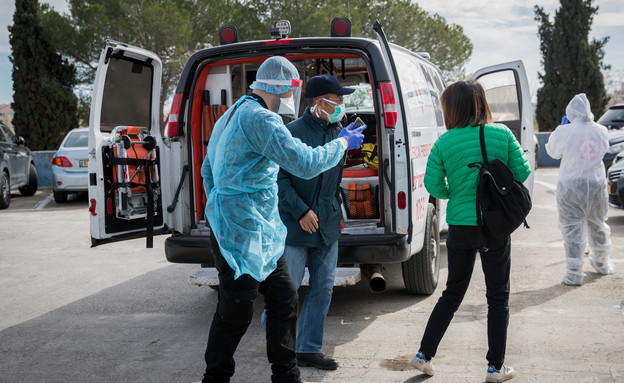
{"x": 321, "y": 194}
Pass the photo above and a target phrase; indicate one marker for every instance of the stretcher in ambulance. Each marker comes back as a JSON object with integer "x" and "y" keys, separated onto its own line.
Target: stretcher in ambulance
{"x": 144, "y": 183}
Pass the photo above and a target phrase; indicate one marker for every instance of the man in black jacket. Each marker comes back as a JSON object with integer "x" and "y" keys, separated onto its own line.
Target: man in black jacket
{"x": 310, "y": 209}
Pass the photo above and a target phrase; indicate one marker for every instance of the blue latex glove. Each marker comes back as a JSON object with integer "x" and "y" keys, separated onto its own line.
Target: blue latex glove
{"x": 353, "y": 136}
{"x": 564, "y": 120}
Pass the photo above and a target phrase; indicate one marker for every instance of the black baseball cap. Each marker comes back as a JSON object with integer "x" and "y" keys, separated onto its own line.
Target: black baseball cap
{"x": 323, "y": 84}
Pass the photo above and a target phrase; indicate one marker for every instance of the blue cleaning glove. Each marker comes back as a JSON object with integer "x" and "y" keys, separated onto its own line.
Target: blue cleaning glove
{"x": 564, "y": 120}
{"x": 353, "y": 136}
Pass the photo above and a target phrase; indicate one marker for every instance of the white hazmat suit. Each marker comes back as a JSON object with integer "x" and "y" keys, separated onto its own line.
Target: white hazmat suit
{"x": 582, "y": 196}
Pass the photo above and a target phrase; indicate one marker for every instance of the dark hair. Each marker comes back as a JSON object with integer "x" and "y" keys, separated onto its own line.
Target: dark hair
{"x": 463, "y": 103}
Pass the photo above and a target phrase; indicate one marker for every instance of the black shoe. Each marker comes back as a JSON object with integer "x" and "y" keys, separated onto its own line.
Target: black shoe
{"x": 317, "y": 360}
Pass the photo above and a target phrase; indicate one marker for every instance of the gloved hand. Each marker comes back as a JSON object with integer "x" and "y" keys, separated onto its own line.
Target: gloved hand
{"x": 353, "y": 136}
{"x": 564, "y": 120}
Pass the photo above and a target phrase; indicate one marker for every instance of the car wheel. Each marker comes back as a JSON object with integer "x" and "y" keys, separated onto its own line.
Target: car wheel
{"x": 420, "y": 272}
{"x": 5, "y": 191}
{"x": 31, "y": 188}
{"x": 59, "y": 196}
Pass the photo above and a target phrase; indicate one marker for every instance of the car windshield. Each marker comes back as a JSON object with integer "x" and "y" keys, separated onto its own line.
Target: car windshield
{"x": 77, "y": 140}
{"x": 612, "y": 115}
{"x": 361, "y": 100}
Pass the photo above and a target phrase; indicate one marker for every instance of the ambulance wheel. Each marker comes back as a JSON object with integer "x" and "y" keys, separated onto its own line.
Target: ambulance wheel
{"x": 420, "y": 272}
{"x": 59, "y": 196}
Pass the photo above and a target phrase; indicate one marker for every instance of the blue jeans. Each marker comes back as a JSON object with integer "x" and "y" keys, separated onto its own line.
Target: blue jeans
{"x": 321, "y": 262}
{"x": 462, "y": 244}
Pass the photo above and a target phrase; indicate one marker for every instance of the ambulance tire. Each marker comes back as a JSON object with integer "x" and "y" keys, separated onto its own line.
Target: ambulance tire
{"x": 421, "y": 271}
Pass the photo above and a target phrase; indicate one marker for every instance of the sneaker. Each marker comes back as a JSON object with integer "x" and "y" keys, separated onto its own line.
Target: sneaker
{"x": 502, "y": 375}
{"x": 420, "y": 363}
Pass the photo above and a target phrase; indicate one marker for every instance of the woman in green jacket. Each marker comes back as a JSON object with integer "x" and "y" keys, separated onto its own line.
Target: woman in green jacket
{"x": 448, "y": 177}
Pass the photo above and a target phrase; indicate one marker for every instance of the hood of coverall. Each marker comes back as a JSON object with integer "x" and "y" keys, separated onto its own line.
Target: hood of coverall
{"x": 579, "y": 110}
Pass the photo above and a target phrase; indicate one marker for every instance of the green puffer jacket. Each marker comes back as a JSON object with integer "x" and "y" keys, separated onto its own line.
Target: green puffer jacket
{"x": 449, "y": 177}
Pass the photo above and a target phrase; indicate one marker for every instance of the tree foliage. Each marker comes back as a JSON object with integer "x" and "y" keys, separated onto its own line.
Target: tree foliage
{"x": 174, "y": 29}
{"x": 404, "y": 22}
{"x": 572, "y": 64}
{"x": 43, "y": 101}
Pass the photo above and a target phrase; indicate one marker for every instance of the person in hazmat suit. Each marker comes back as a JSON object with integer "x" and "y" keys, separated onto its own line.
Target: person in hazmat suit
{"x": 582, "y": 198}
{"x": 247, "y": 147}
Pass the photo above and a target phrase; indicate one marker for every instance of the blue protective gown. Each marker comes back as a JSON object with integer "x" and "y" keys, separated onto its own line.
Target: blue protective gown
{"x": 240, "y": 173}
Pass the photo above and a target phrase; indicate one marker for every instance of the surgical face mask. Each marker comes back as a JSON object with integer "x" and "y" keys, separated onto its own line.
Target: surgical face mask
{"x": 339, "y": 112}
{"x": 287, "y": 106}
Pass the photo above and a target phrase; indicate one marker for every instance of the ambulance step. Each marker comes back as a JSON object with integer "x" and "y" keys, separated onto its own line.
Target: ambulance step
{"x": 345, "y": 276}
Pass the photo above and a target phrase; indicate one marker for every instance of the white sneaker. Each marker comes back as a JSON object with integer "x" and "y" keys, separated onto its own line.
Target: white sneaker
{"x": 420, "y": 363}
{"x": 494, "y": 376}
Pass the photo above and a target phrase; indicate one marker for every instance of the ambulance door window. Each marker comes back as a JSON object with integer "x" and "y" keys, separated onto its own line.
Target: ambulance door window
{"x": 502, "y": 96}
{"x": 126, "y": 100}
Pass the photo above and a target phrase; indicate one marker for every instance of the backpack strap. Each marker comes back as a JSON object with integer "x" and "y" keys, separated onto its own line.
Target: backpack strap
{"x": 484, "y": 156}
{"x": 482, "y": 139}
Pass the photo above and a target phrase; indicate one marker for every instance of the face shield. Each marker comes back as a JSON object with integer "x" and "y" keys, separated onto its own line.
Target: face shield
{"x": 289, "y": 106}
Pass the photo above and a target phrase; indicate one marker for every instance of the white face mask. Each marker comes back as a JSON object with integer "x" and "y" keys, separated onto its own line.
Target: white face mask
{"x": 287, "y": 106}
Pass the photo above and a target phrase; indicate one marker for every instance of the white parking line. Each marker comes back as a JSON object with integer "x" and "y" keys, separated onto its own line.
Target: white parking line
{"x": 42, "y": 204}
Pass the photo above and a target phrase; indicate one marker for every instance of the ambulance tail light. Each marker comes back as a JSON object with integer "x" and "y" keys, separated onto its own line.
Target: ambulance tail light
{"x": 172, "y": 124}
{"x": 389, "y": 106}
{"x": 401, "y": 200}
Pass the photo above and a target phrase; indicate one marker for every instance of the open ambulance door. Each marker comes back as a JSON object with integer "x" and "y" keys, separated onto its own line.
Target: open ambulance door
{"x": 125, "y": 197}
{"x": 509, "y": 97}
{"x": 396, "y": 124}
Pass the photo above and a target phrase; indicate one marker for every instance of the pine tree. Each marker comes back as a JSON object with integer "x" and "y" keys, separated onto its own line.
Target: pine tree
{"x": 43, "y": 101}
{"x": 571, "y": 63}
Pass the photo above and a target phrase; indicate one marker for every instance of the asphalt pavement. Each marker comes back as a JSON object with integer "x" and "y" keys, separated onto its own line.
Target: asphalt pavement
{"x": 122, "y": 313}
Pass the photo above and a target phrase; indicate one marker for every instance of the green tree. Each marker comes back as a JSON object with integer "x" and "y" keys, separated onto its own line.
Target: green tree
{"x": 404, "y": 22}
{"x": 43, "y": 100}
{"x": 572, "y": 64}
{"x": 174, "y": 29}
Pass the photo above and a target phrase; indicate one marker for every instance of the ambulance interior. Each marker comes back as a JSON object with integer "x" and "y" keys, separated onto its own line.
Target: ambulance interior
{"x": 220, "y": 84}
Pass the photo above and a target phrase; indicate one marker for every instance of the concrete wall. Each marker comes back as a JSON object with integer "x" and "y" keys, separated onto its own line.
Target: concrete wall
{"x": 544, "y": 158}
{"x": 43, "y": 163}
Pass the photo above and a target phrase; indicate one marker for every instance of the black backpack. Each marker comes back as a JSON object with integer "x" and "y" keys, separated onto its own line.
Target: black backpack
{"x": 502, "y": 201}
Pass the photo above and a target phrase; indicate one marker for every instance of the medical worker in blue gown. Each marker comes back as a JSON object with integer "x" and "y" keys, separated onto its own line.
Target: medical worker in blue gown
{"x": 248, "y": 146}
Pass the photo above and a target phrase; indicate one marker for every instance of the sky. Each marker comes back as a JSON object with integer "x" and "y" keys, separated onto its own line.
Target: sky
{"x": 500, "y": 31}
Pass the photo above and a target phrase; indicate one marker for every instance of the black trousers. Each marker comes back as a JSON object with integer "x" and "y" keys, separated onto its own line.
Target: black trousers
{"x": 234, "y": 313}
{"x": 462, "y": 244}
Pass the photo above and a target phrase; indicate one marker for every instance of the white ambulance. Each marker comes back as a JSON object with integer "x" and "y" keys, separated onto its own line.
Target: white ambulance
{"x": 144, "y": 183}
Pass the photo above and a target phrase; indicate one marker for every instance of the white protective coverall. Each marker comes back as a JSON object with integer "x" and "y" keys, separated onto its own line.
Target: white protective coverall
{"x": 582, "y": 196}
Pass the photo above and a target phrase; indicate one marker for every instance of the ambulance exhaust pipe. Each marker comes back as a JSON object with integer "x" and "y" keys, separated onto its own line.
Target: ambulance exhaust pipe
{"x": 376, "y": 280}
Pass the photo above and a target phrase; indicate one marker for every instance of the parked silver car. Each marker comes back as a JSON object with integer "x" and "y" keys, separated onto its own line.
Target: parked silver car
{"x": 17, "y": 167}
{"x": 70, "y": 165}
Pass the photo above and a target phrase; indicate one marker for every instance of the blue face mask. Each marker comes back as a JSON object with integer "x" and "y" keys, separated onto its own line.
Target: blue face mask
{"x": 339, "y": 111}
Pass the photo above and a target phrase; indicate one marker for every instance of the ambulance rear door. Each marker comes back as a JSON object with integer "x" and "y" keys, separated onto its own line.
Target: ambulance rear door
{"x": 395, "y": 124}
{"x": 509, "y": 97}
{"x": 126, "y": 196}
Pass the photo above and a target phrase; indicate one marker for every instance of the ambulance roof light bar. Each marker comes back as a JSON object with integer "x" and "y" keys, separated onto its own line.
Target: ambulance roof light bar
{"x": 280, "y": 30}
